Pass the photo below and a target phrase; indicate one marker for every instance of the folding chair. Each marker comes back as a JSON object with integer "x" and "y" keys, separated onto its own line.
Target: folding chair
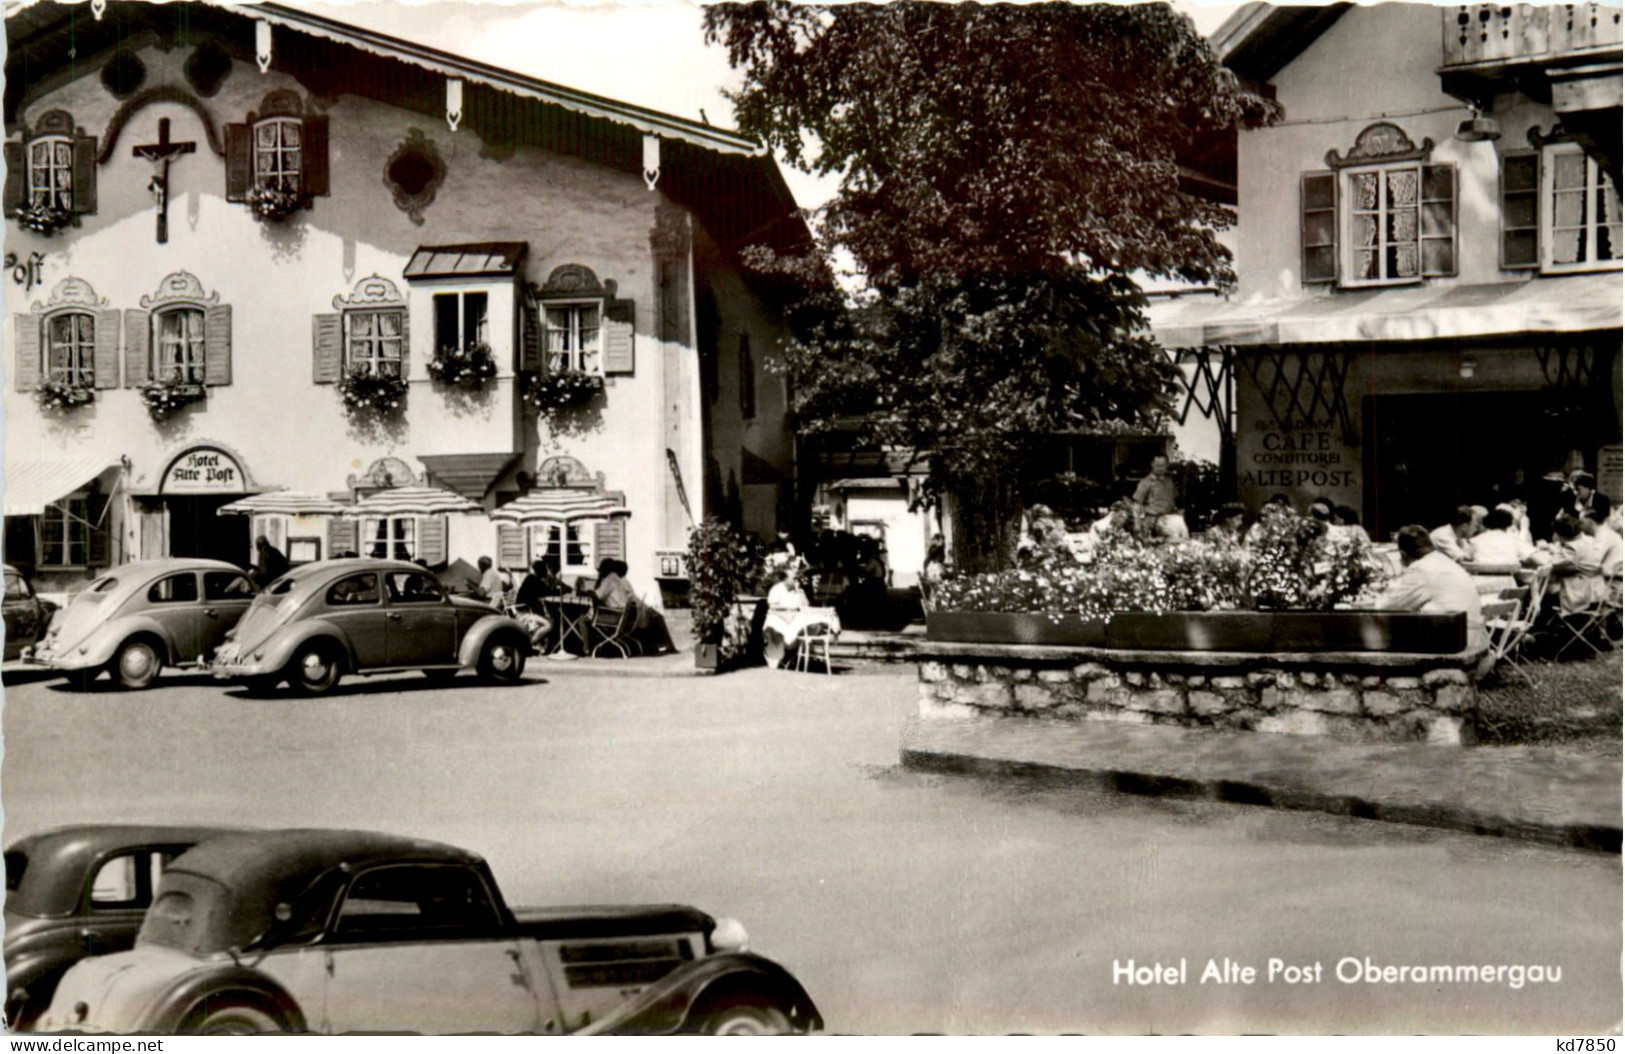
{"x": 1593, "y": 618}
{"x": 1507, "y": 630}
{"x": 813, "y": 635}
{"x": 614, "y": 629}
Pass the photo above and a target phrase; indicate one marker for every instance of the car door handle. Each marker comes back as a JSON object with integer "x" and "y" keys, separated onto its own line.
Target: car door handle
{"x": 394, "y": 616}
{"x": 211, "y": 612}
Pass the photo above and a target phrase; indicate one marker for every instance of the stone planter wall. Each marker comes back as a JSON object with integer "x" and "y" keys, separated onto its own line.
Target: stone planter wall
{"x": 1385, "y": 698}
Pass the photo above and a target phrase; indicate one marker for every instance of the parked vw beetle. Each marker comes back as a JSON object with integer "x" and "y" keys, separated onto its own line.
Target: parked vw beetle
{"x": 72, "y": 892}
{"x": 332, "y": 617}
{"x": 140, "y": 617}
{"x": 27, "y": 615}
{"x": 352, "y": 931}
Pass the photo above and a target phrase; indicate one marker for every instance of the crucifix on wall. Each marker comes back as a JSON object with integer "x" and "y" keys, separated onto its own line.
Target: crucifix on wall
{"x": 161, "y": 154}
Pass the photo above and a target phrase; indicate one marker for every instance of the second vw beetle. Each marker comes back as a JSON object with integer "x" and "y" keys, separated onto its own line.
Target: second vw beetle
{"x": 323, "y": 620}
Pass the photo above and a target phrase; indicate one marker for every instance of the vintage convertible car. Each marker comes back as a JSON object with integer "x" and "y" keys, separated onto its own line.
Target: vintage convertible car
{"x": 345, "y": 931}
{"x": 332, "y": 617}
{"x": 140, "y": 617}
{"x": 27, "y": 615}
{"x": 72, "y": 892}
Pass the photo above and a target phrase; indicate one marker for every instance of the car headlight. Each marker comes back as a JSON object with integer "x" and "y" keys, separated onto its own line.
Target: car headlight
{"x": 729, "y": 936}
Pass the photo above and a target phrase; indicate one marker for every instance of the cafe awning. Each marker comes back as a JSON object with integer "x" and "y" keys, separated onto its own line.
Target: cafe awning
{"x": 32, "y": 485}
{"x": 1566, "y": 304}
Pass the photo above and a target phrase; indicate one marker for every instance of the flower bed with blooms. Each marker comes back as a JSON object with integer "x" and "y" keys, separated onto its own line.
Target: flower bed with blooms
{"x": 56, "y": 398}
{"x": 272, "y": 203}
{"x": 165, "y": 399}
{"x": 468, "y": 367}
{"x": 561, "y": 389}
{"x": 1289, "y": 563}
{"x": 44, "y": 218}
{"x": 368, "y": 394}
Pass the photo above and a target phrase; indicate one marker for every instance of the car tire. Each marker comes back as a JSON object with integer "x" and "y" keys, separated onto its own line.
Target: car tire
{"x": 136, "y": 664}
{"x": 502, "y": 659}
{"x": 315, "y": 669}
{"x": 747, "y": 1019}
{"x": 238, "y": 1020}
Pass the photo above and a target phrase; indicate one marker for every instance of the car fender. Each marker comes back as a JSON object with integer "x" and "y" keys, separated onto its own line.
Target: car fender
{"x": 104, "y": 641}
{"x": 673, "y": 1003}
{"x": 31, "y": 979}
{"x": 468, "y": 653}
{"x": 194, "y": 992}
{"x": 279, "y": 649}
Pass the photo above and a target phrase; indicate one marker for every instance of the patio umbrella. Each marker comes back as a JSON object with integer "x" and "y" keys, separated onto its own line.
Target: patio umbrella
{"x": 411, "y": 501}
{"x": 285, "y": 503}
{"x": 558, "y": 506}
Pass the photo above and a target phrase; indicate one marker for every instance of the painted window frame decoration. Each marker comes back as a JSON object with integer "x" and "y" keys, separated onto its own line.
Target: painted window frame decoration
{"x": 1383, "y": 215}
{"x": 69, "y": 189}
{"x": 203, "y": 323}
{"x": 335, "y": 336}
{"x": 38, "y": 339}
{"x": 280, "y": 177}
{"x": 555, "y": 337}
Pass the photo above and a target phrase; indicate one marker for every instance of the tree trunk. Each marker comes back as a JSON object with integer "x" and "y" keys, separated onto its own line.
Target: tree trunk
{"x": 986, "y": 516}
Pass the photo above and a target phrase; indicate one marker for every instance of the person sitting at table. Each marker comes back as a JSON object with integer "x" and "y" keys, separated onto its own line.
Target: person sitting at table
{"x": 1346, "y": 524}
{"x": 1577, "y": 577}
{"x": 1432, "y": 582}
{"x": 493, "y": 583}
{"x": 785, "y": 604}
{"x": 1455, "y": 539}
{"x": 1228, "y": 525}
{"x": 1275, "y": 506}
{"x": 1610, "y": 547}
{"x": 1586, "y": 496}
{"x": 1499, "y": 544}
{"x": 534, "y": 588}
{"x": 614, "y": 593}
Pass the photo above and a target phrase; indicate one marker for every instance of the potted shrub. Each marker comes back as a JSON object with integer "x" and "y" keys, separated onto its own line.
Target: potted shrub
{"x": 167, "y": 397}
{"x": 721, "y": 563}
{"x": 370, "y": 395}
{"x": 56, "y": 398}
{"x": 467, "y": 366}
{"x": 272, "y": 203}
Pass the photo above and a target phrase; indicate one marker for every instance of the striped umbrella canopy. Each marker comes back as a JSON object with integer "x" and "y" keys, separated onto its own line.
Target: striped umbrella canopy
{"x": 412, "y": 501}
{"x": 558, "y": 506}
{"x": 286, "y": 503}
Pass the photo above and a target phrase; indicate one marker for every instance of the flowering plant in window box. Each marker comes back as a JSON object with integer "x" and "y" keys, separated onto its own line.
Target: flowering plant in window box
{"x": 371, "y": 394}
{"x": 167, "y": 397}
{"x": 467, "y": 366}
{"x": 55, "y": 397}
{"x": 562, "y": 389}
{"x": 44, "y": 218}
{"x": 272, "y": 202}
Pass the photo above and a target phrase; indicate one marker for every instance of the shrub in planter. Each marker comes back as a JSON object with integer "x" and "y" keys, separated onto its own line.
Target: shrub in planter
{"x": 721, "y": 563}
{"x": 56, "y": 398}
{"x": 44, "y": 218}
{"x": 468, "y": 366}
{"x": 367, "y": 394}
{"x": 272, "y": 203}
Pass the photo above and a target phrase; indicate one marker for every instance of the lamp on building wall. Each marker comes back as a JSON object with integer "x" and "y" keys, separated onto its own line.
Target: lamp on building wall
{"x": 1469, "y": 366}
{"x": 1479, "y": 127}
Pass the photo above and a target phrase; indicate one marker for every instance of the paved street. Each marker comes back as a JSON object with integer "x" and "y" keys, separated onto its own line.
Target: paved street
{"x": 904, "y": 902}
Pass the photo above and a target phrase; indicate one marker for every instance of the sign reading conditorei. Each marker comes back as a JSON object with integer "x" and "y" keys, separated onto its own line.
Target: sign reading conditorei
{"x": 203, "y": 470}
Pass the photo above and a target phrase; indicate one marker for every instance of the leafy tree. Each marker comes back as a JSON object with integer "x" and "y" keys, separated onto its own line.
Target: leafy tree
{"x": 1002, "y": 170}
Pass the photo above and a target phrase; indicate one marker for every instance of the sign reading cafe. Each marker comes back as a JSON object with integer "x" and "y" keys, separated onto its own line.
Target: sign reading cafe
{"x": 203, "y": 470}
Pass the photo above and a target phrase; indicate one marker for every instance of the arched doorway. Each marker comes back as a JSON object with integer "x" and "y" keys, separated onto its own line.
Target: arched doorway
{"x": 195, "y": 484}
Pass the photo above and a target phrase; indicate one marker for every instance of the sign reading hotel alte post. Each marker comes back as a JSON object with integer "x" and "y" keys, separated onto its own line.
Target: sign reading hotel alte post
{"x": 204, "y": 470}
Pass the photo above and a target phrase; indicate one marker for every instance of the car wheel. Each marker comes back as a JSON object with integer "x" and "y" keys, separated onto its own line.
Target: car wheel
{"x": 137, "y": 664}
{"x": 502, "y": 659}
{"x": 748, "y": 1019}
{"x": 236, "y": 1021}
{"x": 315, "y": 669}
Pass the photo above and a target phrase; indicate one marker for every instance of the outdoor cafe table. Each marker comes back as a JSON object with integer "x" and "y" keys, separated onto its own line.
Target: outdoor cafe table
{"x": 572, "y": 615}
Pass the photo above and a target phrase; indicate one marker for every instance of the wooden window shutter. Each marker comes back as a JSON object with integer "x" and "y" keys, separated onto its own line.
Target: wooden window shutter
{"x": 510, "y": 546}
{"x": 28, "y": 353}
{"x": 619, "y": 336}
{"x": 1318, "y": 230}
{"x": 1438, "y": 231}
{"x": 1520, "y": 210}
{"x": 406, "y": 342}
{"x": 107, "y": 348}
{"x": 314, "y": 170}
{"x": 16, "y": 177}
{"x": 341, "y": 536}
{"x": 137, "y": 340}
{"x": 84, "y": 174}
{"x": 327, "y": 348}
{"x": 530, "y": 338}
{"x": 100, "y": 554}
{"x": 217, "y": 345}
{"x": 432, "y": 540}
{"x": 239, "y": 161}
